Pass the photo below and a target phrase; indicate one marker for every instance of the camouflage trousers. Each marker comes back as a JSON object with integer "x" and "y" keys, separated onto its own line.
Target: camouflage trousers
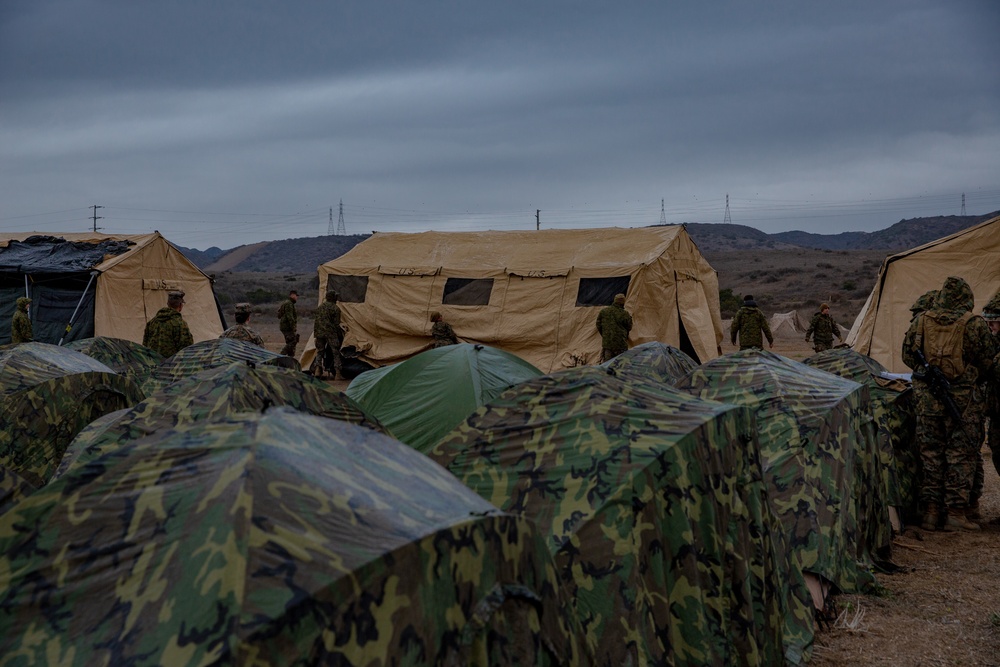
{"x": 822, "y": 346}
{"x": 291, "y": 340}
{"x": 607, "y": 354}
{"x": 949, "y": 452}
{"x": 328, "y": 359}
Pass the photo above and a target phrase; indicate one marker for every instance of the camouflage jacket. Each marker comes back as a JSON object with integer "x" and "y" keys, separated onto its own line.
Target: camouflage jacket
{"x": 749, "y": 325}
{"x": 326, "y": 322}
{"x": 243, "y": 332}
{"x": 287, "y": 320}
{"x": 167, "y": 332}
{"x": 443, "y": 334}
{"x": 822, "y": 329}
{"x": 20, "y": 324}
{"x": 614, "y": 323}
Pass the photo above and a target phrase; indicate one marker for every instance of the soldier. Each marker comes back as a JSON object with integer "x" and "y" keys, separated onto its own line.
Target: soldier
{"x": 922, "y": 304}
{"x": 167, "y": 332}
{"x": 20, "y": 324}
{"x": 959, "y": 346}
{"x": 329, "y": 337}
{"x": 240, "y": 331}
{"x": 441, "y": 332}
{"x": 991, "y": 313}
{"x": 751, "y": 326}
{"x": 288, "y": 323}
{"x": 822, "y": 329}
{"x": 614, "y": 324}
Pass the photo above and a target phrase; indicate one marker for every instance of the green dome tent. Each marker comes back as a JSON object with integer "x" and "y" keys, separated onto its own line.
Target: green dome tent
{"x": 654, "y": 361}
{"x": 652, "y": 504}
{"x": 47, "y": 395}
{"x": 421, "y": 399}
{"x": 13, "y": 488}
{"x": 275, "y": 539}
{"x": 219, "y": 391}
{"x": 125, "y": 357}
{"x": 210, "y": 354}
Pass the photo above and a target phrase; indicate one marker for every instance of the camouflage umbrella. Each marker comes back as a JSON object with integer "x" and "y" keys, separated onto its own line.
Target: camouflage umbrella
{"x": 220, "y": 391}
{"x": 210, "y": 354}
{"x": 655, "y": 361}
{"x": 125, "y": 357}
{"x": 47, "y": 394}
{"x": 652, "y": 503}
{"x": 895, "y": 414}
{"x": 821, "y": 463}
{"x": 424, "y": 397}
{"x": 274, "y": 539}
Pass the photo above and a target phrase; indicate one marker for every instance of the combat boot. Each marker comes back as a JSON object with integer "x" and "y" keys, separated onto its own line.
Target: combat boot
{"x": 972, "y": 514}
{"x": 958, "y": 521}
{"x": 932, "y": 517}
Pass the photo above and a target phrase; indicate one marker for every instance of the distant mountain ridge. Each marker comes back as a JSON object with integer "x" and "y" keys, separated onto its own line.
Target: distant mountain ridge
{"x": 304, "y": 255}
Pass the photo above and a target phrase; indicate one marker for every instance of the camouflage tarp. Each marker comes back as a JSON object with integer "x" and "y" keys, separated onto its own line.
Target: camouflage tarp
{"x": 47, "y": 395}
{"x": 419, "y": 400}
{"x": 274, "y": 539}
{"x": 216, "y": 392}
{"x": 13, "y": 488}
{"x": 652, "y": 361}
{"x": 212, "y": 354}
{"x": 895, "y": 413}
{"x": 820, "y": 452}
{"x": 652, "y": 504}
{"x": 125, "y": 357}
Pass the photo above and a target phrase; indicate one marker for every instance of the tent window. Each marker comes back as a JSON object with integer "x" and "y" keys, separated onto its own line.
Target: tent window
{"x": 350, "y": 289}
{"x": 467, "y": 291}
{"x": 601, "y": 291}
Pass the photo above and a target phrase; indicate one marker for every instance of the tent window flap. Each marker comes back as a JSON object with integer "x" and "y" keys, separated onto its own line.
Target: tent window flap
{"x": 350, "y": 289}
{"x": 467, "y": 291}
{"x": 601, "y": 291}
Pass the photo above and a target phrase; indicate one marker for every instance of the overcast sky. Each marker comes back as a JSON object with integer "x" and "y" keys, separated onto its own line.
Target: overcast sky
{"x": 235, "y": 121}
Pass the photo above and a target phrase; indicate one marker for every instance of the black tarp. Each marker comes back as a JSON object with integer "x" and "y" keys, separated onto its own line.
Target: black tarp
{"x": 51, "y": 254}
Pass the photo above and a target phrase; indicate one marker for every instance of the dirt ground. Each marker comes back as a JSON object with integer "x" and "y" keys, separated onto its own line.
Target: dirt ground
{"x": 942, "y": 608}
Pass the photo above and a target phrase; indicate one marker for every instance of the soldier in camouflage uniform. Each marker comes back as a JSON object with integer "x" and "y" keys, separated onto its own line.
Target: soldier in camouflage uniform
{"x": 20, "y": 324}
{"x": 991, "y": 313}
{"x": 614, "y": 324}
{"x": 750, "y": 326}
{"x": 288, "y": 323}
{"x": 167, "y": 332}
{"x": 241, "y": 331}
{"x": 329, "y": 337}
{"x": 923, "y": 303}
{"x": 822, "y": 329}
{"x": 961, "y": 345}
{"x": 441, "y": 332}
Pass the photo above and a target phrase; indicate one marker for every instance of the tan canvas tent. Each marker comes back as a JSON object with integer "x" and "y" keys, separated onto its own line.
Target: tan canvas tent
{"x": 93, "y": 284}
{"x": 788, "y": 324}
{"x": 535, "y": 294}
{"x": 972, "y": 254}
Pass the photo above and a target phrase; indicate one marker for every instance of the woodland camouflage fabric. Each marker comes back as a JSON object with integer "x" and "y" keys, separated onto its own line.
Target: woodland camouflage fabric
{"x": 20, "y": 324}
{"x": 167, "y": 332}
{"x": 124, "y": 357}
{"x": 654, "y": 361}
{"x": 217, "y": 392}
{"x": 820, "y": 456}
{"x": 13, "y": 488}
{"x": 614, "y": 324}
{"x": 751, "y": 327}
{"x": 211, "y": 354}
{"x": 652, "y": 503}
{"x": 894, "y": 411}
{"x": 274, "y": 539}
{"x": 47, "y": 395}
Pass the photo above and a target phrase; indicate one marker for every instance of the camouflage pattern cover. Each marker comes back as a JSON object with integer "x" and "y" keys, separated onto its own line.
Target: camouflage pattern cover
{"x": 216, "y": 392}
{"x": 652, "y": 503}
{"x": 125, "y": 357}
{"x": 47, "y": 395}
{"x": 274, "y": 539}
{"x": 820, "y": 455}
{"x": 211, "y": 354}
{"x": 895, "y": 414}
{"x": 657, "y": 362}
{"x": 13, "y": 488}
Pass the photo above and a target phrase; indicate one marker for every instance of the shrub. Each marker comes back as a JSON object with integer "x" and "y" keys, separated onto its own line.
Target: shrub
{"x": 849, "y": 286}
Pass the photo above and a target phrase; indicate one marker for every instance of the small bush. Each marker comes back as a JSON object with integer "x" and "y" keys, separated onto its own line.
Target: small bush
{"x": 849, "y": 286}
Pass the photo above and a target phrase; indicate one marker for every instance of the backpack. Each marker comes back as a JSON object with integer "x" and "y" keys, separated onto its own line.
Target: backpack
{"x": 942, "y": 344}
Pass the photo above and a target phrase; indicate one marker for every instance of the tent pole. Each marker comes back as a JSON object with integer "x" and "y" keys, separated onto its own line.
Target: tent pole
{"x": 76, "y": 310}
{"x": 27, "y": 290}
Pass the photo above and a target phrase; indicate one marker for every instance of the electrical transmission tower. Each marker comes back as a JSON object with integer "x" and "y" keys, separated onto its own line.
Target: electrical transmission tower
{"x": 663, "y": 214}
{"x": 727, "y": 220}
{"x": 963, "y": 203}
{"x": 329, "y": 227}
{"x": 341, "y": 227}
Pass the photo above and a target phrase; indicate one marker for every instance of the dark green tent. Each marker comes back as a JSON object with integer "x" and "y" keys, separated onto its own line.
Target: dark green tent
{"x": 654, "y": 361}
{"x": 133, "y": 360}
{"x": 211, "y": 354}
{"x": 275, "y": 539}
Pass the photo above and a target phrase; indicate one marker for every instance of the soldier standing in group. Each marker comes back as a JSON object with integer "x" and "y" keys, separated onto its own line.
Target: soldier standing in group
{"x": 288, "y": 323}
{"x": 20, "y": 324}
{"x": 441, "y": 332}
{"x": 240, "y": 331}
{"x": 614, "y": 324}
{"x": 750, "y": 326}
{"x": 958, "y": 345}
{"x": 923, "y": 303}
{"x": 167, "y": 332}
{"x": 329, "y": 337}
{"x": 822, "y": 329}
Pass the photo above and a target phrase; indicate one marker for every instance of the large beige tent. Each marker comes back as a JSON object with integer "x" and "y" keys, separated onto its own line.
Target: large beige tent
{"x": 535, "y": 294}
{"x": 972, "y": 254}
{"x": 93, "y": 284}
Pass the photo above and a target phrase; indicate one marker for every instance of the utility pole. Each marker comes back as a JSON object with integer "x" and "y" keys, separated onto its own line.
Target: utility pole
{"x": 663, "y": 214}
{"x": 963, "y": 203}
{"x": 727, "y": 220}
{"x": 97, "y": 217}
{"x": 341, "y": 227}
{"x": 538, "y": 219}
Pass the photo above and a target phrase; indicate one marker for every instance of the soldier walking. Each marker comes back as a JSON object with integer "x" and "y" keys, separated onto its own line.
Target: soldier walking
{"x": 20, "y": 324}
{"x": 822, "y": 329}
{"x": 750, "y": 326}
{"x": 240, "y": 331}
{"x": 614, "y": 324}
{"x": 288, "y": 323}
{"x": 441, "y": 332}
{"x": 329, "y": 337}
{"x": 167, "y": 332}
